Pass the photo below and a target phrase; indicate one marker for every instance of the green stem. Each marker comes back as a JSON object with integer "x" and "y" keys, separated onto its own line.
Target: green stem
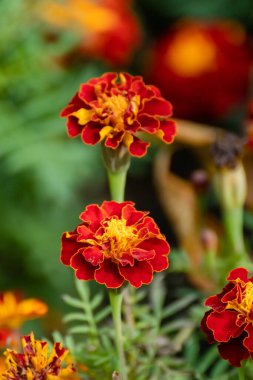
{"x": 116, "y": 297}
{"x": 117, "y": 183}
{"x": 241, "y": 371}
{"x": 233, "y": 224}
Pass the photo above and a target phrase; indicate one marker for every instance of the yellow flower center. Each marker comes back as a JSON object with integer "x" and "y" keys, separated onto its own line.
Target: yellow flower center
{"x": 117, "y": 238}
{"x": 243, "y": 304}
{"x": 191, "y": 54}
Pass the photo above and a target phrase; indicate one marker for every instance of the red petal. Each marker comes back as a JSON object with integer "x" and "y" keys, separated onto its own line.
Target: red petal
{"x": 84, "y": 233}
{"x": 142, "y": 254}
{"x": 69, "y": 246}
{"x": 90, "y": 133}
{"x": 157, "y": 107}
{"x": 74, "y": 129}
{"x": 126, "y": 259}
{"x": 132, "y": 216}
{"x": 240, "y": 273}
{"x": 168, "y": 127}
{"x": 138, "y": 147}
{"x": 159, "y": 263}
{"x": 93, "y": 255}
{"x": 223, "y": 325}
{"x": 205, "y": 329}
{"x": 113, "y": 142}
{"x": 84, "y": 270}
{"x": 248, "y": 341}
{"x": 215, "y": 303}
{"x": 108, "y": 274}
{"x": 148, "y": 225}
{"x": 233, "y": 351}
{"x": 113, "y": 208}
{"x": 87, "y": 93}
{"x": 148, "y": 124}
{"x": 141, "y": 273}
{"x": 93, "y": 214}
{"x": 160, "y": 246}
{"x": 75, "y": 104}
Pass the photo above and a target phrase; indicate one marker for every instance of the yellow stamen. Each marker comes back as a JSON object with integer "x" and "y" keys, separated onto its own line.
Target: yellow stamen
{"x": 244, "y": 302}
{"x": 117, "y": 238}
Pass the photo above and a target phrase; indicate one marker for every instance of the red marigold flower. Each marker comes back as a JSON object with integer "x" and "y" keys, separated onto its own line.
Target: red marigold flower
{"x": 194, "y": 65}
{"x": 230, "y": 320}
{"x": 36, "y": 363}
{"x": 115, "y": 243}
{"x": 115, "y": 108}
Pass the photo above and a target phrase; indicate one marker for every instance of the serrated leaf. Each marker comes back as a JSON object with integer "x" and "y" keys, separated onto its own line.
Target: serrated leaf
{"x": 79, "y": 330}
{"x": 102, "y": 314}
{"x": 71, "y": 301}
{"x": 75, "y": 317}
{"x": 96, "y": 301}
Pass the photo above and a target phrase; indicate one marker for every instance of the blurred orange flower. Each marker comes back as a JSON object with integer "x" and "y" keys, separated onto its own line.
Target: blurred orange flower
{"x": 108, "y": 28}
{"x": 14, "y": 310}
{"x": 203, "y": 68}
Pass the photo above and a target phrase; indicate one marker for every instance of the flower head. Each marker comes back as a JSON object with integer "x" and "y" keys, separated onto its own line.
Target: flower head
{"x": 108, "y": 29}
{"x": 114, "y": 108}
{"x": 14, "y": 310}
{"x": 230, "y": 320}
{"x": 115, "y": 243}
{"x": 35, "y": 363}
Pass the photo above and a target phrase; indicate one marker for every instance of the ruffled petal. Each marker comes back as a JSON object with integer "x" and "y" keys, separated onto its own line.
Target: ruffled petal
{"x": 167, "y": 131}
{"x": 248, "y": 341}
{"x": 205, "y": 329}
{"x": 159, "y": 263}
{"x": 138, "y": 275}
{"x": 157, "y": 107}
{"x": 108, "y": 274}
{"x": 93, "y": 214}
{"x": 160, "y": 246}
{"x": 240, "y": 273}
{"x": 142, "y": 254}
{"x": 93, "y": 255}
{"x": 223, "y": 325}
{"x": 138, "y": 147}
{"x": 91, "y": 133}
{"x": 84, "y": 270}
{"x": 131, "y": 215}
{"x": 233, "y": 351}
{"x": 113, "y": 208}
{"x": 74, "y": 128}
{"x": 69, "y": 246}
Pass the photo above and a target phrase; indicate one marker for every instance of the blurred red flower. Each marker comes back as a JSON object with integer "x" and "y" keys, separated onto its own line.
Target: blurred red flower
{"x": 115, "y": 243}
{"x": 108, "y": 29}
{"x": 202, "y": 67}
{"x": 230, "y": 320}
{"x": 115, "y": 107}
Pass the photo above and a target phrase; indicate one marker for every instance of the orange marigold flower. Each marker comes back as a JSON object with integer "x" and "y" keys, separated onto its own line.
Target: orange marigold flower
{"x": 230, "y": 320}
{"x": 35, "y": 363}
{"x": 115, "y": 108}
{"x": 115, "y": 243}
{"x": 14, "y": 310}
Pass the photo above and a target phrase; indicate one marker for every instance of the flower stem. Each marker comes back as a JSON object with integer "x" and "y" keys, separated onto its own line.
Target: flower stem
{"x": 116, "y": 296}
{"x": 233, "y": 224}
{"x": 117, "y": 183}
{"x": 241, "y": 371}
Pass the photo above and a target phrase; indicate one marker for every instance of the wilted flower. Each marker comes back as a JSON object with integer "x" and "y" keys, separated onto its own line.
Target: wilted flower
{"x": 230, "y": 320}
{"x": 194, "y": 65}
{"x": 35, "y": 363}
{"x": 115, "y": 243}
{"x": 14, "y": 310}
{"x": 108, "y": 29}
{"x": 115, "y": 108}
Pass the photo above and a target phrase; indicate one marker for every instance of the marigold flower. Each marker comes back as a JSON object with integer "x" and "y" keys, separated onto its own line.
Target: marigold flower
{"x": 115, "y": 243}
{"x": 35, "y": 363}
{"x": 14, "y": 310}
{"x": 115, "y": 108}
{"x": 193, "y": 64}
{"x": 230, "y": 320}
